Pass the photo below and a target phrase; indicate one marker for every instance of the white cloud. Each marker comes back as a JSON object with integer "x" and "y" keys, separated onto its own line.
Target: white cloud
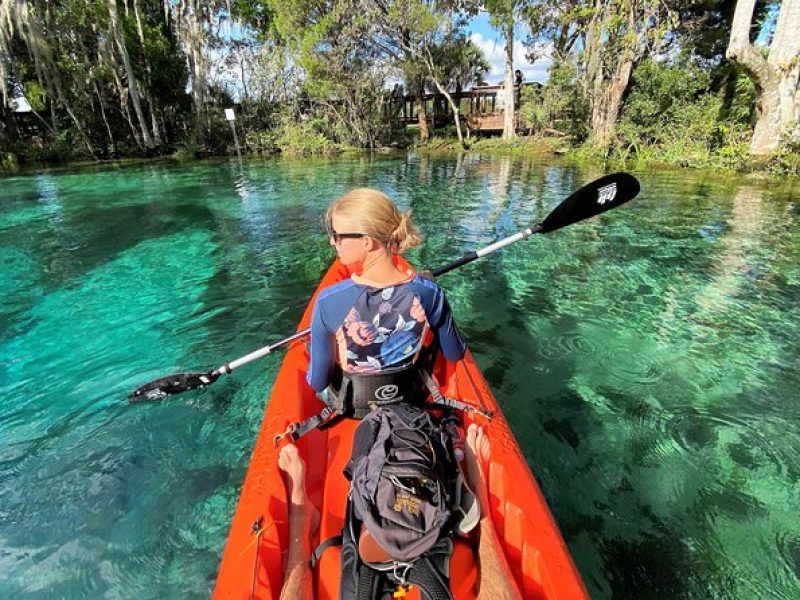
{"x": 495, "y": 54}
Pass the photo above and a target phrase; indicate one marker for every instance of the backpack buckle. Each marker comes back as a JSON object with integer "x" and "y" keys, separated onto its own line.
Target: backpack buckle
{"x": 401, "y": 578}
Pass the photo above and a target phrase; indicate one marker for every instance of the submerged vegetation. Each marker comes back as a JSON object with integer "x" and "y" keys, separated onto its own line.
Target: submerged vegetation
{"x": 712, "y": 86}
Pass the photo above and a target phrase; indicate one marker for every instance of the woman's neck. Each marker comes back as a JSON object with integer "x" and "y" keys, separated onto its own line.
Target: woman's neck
{"x": 379, "y": 268}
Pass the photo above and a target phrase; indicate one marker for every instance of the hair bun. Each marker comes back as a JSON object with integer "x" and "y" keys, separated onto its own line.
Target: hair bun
{"x": 405, "y": 235}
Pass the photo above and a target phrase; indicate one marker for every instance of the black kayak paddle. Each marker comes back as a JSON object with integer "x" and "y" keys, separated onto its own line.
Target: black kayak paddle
{"x": 592, "y": 199}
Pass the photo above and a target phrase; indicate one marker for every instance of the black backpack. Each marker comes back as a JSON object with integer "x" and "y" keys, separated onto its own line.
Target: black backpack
{"x": 407, "y": 498}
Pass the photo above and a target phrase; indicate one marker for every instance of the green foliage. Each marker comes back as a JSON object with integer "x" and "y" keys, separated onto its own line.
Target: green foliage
{"x": 312, "y": 77}
{"x": 303, "y": 138}
{"x": 458, "y": 61}
{"x": 35, "y": 95}
{"x": 526, "y": 145}
{"x": 659, "y": 96}
{"x": 187, "y": 149}
{"x": 785, "y": 162}
{"x": 60, "y": 148}
{"x": 8, "y": 162}
{"x": 565, "y": 107}
{"x": 292, "y": 135}
{"x": 532, "y": 113}
{"x": 671, "y": 117}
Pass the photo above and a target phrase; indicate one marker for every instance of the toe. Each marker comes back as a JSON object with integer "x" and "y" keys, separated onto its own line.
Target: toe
{"x": 472, "y": 432}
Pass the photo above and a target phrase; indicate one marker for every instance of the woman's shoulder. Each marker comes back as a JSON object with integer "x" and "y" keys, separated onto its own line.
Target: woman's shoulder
{"x": 425, "y": 283}
{"x": 336, "y": 288}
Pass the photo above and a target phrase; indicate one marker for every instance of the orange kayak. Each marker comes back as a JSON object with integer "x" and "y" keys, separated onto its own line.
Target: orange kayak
{"x": 253, "y": 562}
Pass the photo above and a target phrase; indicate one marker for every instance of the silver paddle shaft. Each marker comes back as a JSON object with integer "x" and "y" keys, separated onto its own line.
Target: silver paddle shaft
{"x": 255, "y": 355}
{"x": 521, "y": 235}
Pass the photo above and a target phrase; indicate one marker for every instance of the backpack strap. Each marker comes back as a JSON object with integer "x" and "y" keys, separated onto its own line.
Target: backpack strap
{"x": 431, "y": 583}
{"x": 370, "y": 583}
{"x": 335, "y": 540}
{"x": 347, "y": 386}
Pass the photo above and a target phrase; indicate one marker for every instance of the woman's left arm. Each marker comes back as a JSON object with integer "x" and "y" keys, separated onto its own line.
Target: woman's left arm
{"x": 321, "y": 349}
{"x": 444, "y": 326}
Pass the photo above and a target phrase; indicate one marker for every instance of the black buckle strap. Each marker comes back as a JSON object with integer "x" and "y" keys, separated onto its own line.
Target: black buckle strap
{"x": 370, "y": 386}
{"x": 439, "y": 400}
{"x": 300, "y": 428}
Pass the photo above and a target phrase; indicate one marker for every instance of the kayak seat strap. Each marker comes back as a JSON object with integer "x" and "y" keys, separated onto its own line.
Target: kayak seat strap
{"x": 323, "y": 419}
{"x": 442, "y": 401}
{"x": 335, "y": 409}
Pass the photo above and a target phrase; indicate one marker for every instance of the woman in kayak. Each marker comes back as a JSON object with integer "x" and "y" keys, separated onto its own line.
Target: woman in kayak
{"x": 496, "y": 581}
{"x": 377, "y": 320}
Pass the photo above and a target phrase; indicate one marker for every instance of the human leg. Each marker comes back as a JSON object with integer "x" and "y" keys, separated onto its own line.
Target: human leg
{"x": 303, "y": 519}
{"x": 495, "y": 580}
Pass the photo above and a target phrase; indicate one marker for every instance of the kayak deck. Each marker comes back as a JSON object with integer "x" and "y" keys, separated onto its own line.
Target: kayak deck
{"x": 253, "y": 561}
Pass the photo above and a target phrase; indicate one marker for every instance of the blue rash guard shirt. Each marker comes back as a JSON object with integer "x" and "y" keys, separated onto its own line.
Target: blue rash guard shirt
{"x": 372, "y": 329}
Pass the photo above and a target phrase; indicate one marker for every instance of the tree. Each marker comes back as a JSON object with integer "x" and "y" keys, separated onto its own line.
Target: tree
{"x": 417, "y": 30}
{"x": 105, "y": 75}
{"x": 504, "y": 14}
{"x": 462, "y": 63}
{"x": 618, "y": 35}
{"x": 776, "y": 75}
{"x": 344, "y": 69}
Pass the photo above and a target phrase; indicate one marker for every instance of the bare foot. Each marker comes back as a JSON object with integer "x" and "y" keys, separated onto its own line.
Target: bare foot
{"x": 294, "y": 473}
{"x": 303, "y": 520}
{"x": 476, "y": 453}
{"x": 294, "y": 477}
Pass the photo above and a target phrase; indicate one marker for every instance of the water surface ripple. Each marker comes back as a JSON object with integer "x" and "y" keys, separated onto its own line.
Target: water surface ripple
{"x": 647, "y": 361}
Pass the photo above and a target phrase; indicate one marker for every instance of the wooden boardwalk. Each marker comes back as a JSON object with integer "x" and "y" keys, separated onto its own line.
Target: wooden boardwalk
{"x": 482, "y": 108}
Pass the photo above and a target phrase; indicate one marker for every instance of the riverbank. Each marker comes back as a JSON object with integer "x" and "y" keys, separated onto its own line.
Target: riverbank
{"x": 725, "y": 161}
{"x": 723, "y": 164}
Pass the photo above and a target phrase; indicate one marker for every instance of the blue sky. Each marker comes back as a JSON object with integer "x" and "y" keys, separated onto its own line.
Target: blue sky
{"x": 493, "y": 46}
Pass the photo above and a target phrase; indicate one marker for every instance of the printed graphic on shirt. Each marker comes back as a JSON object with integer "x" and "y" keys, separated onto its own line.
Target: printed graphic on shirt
{"x": 384, "y": 329}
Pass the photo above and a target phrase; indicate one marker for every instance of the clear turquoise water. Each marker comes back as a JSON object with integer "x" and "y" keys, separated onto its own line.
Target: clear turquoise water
{"x": 647, "y": 360}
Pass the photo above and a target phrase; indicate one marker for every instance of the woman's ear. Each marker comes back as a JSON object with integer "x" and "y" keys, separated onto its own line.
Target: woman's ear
{"x": 370, "y": 243}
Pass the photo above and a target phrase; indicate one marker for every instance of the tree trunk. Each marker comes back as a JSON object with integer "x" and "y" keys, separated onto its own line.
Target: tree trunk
{"x": 112, "y": 146}
{"x": 606, "y": 108}
{"x": 123, "y": 102}
{"x": 422, "y": 118}
{"x": 446, "y": 94}
{"x": 592, "y": 78}
{"x": 508, "y": 84}
{"x": 148, "y": 74}
{"x": 80, "y": 128}
{"x": 776, "y": 77}
{"x": 454, "y": 107}
{"x": 119, "y": 39}
{"x": 605, "y": 94}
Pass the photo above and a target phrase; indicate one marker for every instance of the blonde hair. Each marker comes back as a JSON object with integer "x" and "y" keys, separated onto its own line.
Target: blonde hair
{"x": 372, "y": 212}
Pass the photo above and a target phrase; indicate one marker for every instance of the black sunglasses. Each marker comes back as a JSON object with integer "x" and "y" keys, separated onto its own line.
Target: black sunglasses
{"x": 338, "y": 237}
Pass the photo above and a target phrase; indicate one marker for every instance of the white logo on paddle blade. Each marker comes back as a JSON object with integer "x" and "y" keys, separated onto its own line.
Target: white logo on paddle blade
{"x": 607, "y": 193}
{"x": 386, "y": 392}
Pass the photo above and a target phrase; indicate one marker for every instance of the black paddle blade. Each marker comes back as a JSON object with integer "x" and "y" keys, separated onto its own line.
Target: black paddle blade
{"x": 172, "y": 384}
{"x": 599, "y": 196}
